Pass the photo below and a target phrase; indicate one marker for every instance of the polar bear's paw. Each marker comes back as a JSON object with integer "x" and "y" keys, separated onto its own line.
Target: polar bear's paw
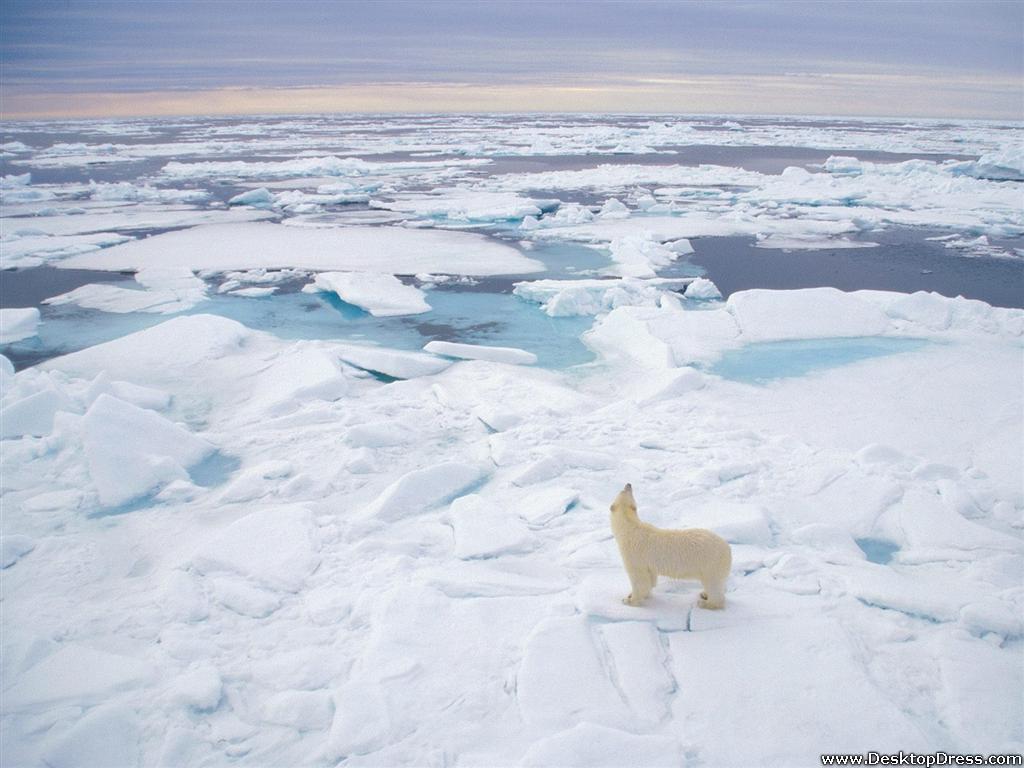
{"x": 711, "y": 604}
{"x": 630, "y": 600}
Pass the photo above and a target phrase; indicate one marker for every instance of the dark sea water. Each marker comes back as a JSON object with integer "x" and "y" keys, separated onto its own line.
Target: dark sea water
{"x": 903, "y": 261}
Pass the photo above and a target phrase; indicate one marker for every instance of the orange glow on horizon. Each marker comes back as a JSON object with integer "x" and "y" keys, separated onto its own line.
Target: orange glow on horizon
{"x": 868, "y": 95}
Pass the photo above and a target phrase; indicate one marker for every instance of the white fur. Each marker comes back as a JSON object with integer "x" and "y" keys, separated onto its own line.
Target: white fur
{"x": 649, "y": 552}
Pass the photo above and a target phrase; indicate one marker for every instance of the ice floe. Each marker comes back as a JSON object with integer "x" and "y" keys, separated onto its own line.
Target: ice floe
{"x": 164, "y": 290}
{"x": 271, "y": 246}
{"x": 380, "y": 295}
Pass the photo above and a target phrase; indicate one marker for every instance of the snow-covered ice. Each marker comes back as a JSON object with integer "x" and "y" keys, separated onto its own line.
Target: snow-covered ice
{"x": 271, "y": 246}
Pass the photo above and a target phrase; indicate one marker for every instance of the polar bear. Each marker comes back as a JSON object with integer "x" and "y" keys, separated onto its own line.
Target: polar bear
{"x": 647, "y": 552}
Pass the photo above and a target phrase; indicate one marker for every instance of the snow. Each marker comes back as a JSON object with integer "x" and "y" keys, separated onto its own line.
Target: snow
{"x": 481, "y": 352}
{"x": 13, "y": 548}
{"x": 586, "y": 744}
{"x": 106, "y": 734}
{"x": 380, "y": 295}
{"x": 18, "y": 324}
{"x": 75, "y": 673}
{"x": 272, "y": 547}
{"x": 271, "y": 246}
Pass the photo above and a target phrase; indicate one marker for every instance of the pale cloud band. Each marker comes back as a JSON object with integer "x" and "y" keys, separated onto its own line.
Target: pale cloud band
{"x": 836, "y": 94}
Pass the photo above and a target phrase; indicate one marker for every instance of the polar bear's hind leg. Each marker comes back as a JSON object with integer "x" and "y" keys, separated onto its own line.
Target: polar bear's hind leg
{"x": 713, "y": 596}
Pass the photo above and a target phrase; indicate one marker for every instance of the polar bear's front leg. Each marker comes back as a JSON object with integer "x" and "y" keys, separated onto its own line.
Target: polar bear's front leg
{"x": 641, "y": 583}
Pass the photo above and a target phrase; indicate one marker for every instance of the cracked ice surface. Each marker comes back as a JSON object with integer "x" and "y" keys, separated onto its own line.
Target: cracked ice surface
{"x": 399, "y": 570}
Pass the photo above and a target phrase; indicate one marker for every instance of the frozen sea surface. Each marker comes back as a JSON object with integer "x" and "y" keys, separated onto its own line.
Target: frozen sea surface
{"x": 309, "y": 427}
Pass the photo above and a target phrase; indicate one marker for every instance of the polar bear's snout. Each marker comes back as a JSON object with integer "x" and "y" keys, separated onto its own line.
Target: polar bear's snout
{"x": 688, "y": 553}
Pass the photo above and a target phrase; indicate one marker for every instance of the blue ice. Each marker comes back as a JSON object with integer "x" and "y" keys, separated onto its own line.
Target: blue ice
{"x": 878, "y": 550}
{"x": 762, "y": 362}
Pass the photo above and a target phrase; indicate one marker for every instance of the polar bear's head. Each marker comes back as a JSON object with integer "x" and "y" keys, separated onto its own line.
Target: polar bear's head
{"x": 625, "y": 504}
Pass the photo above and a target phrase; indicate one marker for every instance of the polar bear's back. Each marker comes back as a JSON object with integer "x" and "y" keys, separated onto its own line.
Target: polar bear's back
{"x": 688, "y": 553}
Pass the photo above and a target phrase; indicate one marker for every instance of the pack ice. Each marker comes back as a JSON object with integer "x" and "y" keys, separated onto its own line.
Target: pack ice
{"x": 219, "y": 545}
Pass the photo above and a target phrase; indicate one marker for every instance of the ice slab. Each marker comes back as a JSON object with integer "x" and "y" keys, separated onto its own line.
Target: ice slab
{"x": 18, "y": 324}
{"x": 391, "y": 363}
{"x": 481, "y": 352}
{"x": 32, "y": 414}
{"x": 126, "y": 219}
{"x": 379, "y": 294}
{"x": 162, "y": 352}
{"x": 485, "y": 529}
{"x": 422, "y": 489}
{"x": 165, "y": 290}
{"x": 563, "y": 680}
{"x": 132, "y": 451}
{"x": 31, "y": 250}
{"x": 247, "y": 246}
{"x": 806, "y": 313}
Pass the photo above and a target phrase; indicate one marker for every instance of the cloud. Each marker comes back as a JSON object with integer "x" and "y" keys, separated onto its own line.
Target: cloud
{"x": 830, "y": 94}
{"x": 513, "y": 55}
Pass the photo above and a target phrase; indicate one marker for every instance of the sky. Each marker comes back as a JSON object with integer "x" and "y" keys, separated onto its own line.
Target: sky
{"x": 82, "y": 58}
